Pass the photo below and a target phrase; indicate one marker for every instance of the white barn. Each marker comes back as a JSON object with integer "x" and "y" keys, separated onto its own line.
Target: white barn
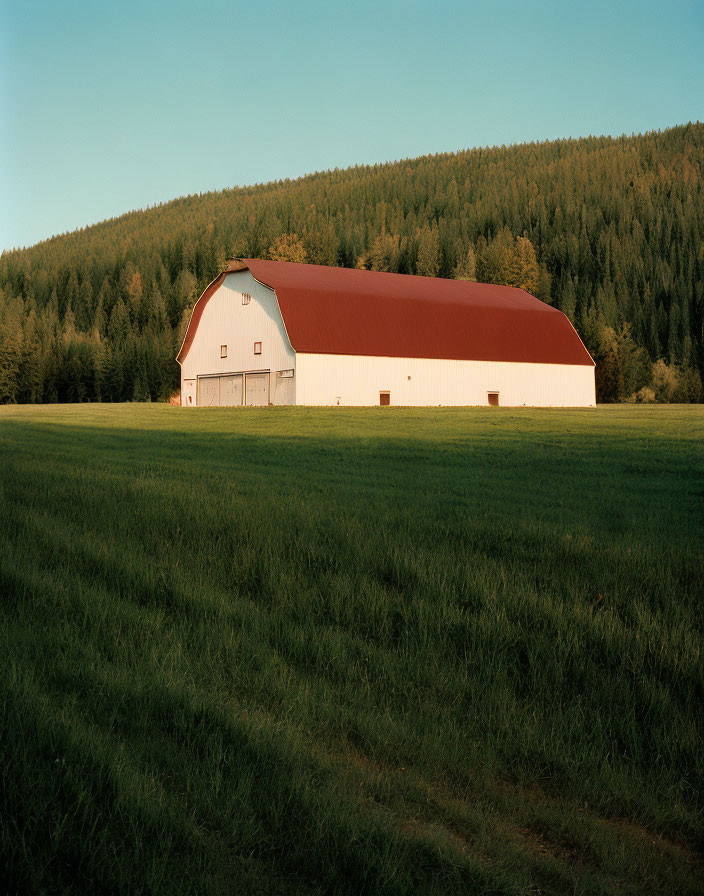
{"x": 273, "y": 333}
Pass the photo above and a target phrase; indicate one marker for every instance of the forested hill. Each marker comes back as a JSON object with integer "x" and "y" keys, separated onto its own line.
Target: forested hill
{"x": 609, "y": 230}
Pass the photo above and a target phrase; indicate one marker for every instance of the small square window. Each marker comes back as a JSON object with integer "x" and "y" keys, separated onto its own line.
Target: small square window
{"x": 246, "y": 298}
{"x": 257, "y": 348}
{"x": 223, "y": 351}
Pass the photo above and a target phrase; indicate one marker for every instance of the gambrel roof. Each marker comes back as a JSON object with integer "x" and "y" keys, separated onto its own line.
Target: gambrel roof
{"x": 344, "y": 311}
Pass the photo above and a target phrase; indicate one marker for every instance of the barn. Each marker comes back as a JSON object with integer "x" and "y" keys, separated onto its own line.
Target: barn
{"x": 276, "y": 333}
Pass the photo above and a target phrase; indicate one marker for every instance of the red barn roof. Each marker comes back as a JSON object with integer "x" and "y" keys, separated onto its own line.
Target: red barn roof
{"x": 342, "y": 311}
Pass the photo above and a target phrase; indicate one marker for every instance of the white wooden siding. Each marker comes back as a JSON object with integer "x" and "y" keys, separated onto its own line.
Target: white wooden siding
{"x": 357, "y": 380}
{"x": 226, "y": 321}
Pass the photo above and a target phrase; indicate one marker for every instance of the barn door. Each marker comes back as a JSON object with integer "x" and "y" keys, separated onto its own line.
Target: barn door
{"x": 283, "y": 387}
{"x": 493, "y": 399}
{"x": 208, "y": 391}
{"x": 231, "y": 391}
{"x": 257, "y": 389}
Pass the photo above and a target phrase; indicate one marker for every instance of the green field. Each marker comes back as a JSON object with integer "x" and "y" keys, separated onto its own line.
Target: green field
{"x": 351, "y": 651}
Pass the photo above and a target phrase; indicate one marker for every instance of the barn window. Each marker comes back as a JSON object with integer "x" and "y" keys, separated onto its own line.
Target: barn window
{"x": 223, "y": 351}
{"x": 246, "y": 298}
{"x": 257, "y": 348}
{"x": 284, "y": 373}
{"x": 493, "y": 399}
{"x": 384, "y": 398}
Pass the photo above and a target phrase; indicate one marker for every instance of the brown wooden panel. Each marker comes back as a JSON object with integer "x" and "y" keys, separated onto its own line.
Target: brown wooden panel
{"x": 384, "y": 398}
{"x": 494, "y": 399}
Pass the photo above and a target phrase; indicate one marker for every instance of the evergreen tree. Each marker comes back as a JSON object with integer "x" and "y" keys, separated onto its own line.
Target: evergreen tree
{"x": 11, "y": 345}
{"x": 567, "y": 300}
{"x": 428, "y": 260}
{"x": 494, "y": 258}
{"x": 543, "y": 289}
{"x": 466, "y": 266}
{"x": 84, "y": 306}
{"x": 288, "y": 247}
{"x": 522, "y": 266}
{"x": 71, "y": 292}
{"x": 674, "y": 343}
{"x": 386, "y": 253}
{"x": 100, "y": 367}
{"x": 31, "y": 374}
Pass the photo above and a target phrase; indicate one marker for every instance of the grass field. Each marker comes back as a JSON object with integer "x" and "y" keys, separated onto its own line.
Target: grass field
{"x": 351, "y": 651}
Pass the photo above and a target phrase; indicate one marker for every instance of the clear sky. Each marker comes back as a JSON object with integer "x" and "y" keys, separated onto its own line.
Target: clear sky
{"x": 107, "y": 107}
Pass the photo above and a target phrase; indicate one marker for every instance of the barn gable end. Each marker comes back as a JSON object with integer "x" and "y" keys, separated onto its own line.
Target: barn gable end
{"x": 237, "y": 347}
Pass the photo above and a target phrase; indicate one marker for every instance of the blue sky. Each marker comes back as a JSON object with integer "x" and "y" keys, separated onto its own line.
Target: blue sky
{"x": 110, "y": 107}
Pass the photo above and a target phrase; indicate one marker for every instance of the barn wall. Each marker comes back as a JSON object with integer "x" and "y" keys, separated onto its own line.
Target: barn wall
{"x": 226, "y": 321}
{"x": 355, "y": 380}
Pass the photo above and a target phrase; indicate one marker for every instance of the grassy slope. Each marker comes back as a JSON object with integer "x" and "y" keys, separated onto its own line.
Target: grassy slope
{"x": 370, "y": 650}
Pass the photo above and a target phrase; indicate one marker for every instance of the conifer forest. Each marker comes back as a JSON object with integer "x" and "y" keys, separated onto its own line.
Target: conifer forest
{"x": 609, "y": 230}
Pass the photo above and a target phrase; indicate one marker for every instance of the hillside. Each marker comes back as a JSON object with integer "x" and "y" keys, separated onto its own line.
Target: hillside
{"x": 610, "y": 230}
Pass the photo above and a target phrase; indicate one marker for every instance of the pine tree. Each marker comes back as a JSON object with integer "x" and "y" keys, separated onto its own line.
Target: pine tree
{"x": 133, "y": 293}
{"x": 385, "y": 254}
{"x": 288, "y": 247}
{"x": 119, "y": 326}
{"x": 674, "y": 343}
{"x": 466, "y": 266}
{"x": 158, "y": 316}
{"x": 494, "y": 258}
{"x": 653, "y": 339}
{"x": 567, "y": 299}
{"x": 543, "y": 290}
{"x": 141, "y": 390}
{"x": 71, "y": 293}
{"x": 99, "y": 319}
{"x": 100, "y": 366}
{"x": 522, "y": 266}
{"x": 31, "y": 378}
{"x": 69, "y": 324}
{"x": 84, "y": 306}
{"x": 183, "y": 296}
{"x": 428, "y": 259}
{"x": 11, "y": 345}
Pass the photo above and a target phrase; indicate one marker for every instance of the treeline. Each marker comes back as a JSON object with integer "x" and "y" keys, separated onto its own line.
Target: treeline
{"x": 611, "y": 231}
